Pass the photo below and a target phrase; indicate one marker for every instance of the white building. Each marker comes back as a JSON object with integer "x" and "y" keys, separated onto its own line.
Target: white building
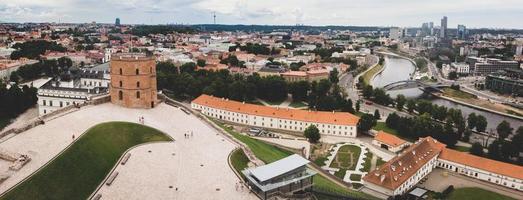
{"x": 390, "y": 142}
{"x": 495, "y": 172}
{"x": 329, "y": 123}
{"x": 461, "y": 68}
{"x": 55, "y": 95}
{"x": 403, "y": 172}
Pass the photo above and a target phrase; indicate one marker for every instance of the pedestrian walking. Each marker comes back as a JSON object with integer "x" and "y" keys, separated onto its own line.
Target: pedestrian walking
{"x": 73, "y": 136}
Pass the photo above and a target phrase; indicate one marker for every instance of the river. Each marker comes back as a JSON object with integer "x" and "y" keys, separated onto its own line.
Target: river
{"x": 398, "y": 69}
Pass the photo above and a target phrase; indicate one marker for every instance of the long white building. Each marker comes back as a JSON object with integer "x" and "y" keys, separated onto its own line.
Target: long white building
{"x": 329, "y": 123}
{"x": 402, "y": 173}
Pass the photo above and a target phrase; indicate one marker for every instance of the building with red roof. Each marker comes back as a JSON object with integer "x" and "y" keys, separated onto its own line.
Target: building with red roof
{"x": 390, "y": 142}
{"x": 329, "y": 123}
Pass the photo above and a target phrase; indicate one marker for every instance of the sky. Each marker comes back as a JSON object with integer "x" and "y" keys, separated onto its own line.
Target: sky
{"x": 403, "y": 13}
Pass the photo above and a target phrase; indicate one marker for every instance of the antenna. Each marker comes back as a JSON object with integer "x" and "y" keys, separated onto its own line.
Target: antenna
{"x": 214, "y": 16}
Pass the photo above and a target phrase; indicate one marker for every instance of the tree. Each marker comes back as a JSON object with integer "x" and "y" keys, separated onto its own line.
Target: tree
{"x": 201, "y": 63}
{"x": 333, "y": 76}
{"x": 504, "y": 130}
{"x": 298, "y": 90}
{"x": 368, "y": 91}
{"x": 453, "y": 75}
{"x": 476, "y": 149}
{"x": 347, "y": 106}
{"x": 400, "y": 102}
{"x": 472, "y": 120}
{"x": 14, "y": 77}
{"x": 377, "y": 114}
{"x": 411, "y": 105}
{"x": 367, "y": 121}
{"x": 357, "y": 106}
{"x": 312, "y": 134}
{"x": 494, "y": 150}
{"x": 393, "y": 120}
{"x": 481, "y": 123}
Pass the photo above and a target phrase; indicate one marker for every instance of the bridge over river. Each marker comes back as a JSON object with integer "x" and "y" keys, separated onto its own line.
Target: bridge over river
{"x": 408, "y": 84}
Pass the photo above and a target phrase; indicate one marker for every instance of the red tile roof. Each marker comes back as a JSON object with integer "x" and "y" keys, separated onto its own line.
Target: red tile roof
{"x": 506, "y": 169}
{"x": 389, "y": 139}
{"x": 335, "y": 118}
{"x": 395, "y": 172}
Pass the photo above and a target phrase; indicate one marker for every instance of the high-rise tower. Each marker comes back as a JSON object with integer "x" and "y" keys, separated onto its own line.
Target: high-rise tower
{"x": 443, "y": 28}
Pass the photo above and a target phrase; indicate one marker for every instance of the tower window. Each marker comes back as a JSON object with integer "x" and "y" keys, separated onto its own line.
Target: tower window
{"x": 121, "y": 72}
{"x": 138, "y": 94}
{"x": 138, "y": 84}
{"x": 121, "y": 83}
{"x": 137, "y": 71}
{"x": 120, "y": 95}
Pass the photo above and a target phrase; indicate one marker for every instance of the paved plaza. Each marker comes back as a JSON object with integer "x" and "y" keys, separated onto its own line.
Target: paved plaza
{"x": 198, "y": 167}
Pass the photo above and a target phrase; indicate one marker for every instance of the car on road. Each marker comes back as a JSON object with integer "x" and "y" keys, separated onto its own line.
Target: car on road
{"x": 368, "y": 102}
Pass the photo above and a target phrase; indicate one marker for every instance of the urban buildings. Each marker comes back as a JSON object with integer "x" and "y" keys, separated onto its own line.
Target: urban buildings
{"x": 329, "y": 123}
{"x": 63, "y": 92}
{"x": 461, "y": 32}
{"x": 133, "y": 80}
{"x": 509, "y": 81}
{"x": 285, "y": 176}
{"x": 443, "y": 29}
{"x": 406, "y": 170}
{"x": 396, "y": 33}
{"x": 117, "y": 22}
{"x": 490, "y": 65}
{"x": 390, "y": 142}
{"x": 461, "y": 68}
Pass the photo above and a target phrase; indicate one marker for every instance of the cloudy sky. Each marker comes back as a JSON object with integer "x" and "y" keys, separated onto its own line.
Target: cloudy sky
{"x": 472, "y": 13}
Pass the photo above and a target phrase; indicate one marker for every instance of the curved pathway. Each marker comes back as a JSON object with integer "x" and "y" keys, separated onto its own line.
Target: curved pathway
{"x": 207, "y": 147}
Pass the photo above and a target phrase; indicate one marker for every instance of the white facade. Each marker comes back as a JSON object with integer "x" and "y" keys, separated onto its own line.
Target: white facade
{"x": 482, "y": 174}
{"x": 50, "y": 100}
{"x": 394, "y": 149}
{"x": 461, "y": 68}
{"x": 274, "y": 122}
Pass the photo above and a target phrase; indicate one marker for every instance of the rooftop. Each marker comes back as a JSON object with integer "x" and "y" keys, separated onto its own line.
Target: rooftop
{"x": 277, "y": 168}
{"x": 337, "y": 118}
{"x": 395, "y": 172}
{"x": 506, "y": 169}
{"x": 389, "y": 139}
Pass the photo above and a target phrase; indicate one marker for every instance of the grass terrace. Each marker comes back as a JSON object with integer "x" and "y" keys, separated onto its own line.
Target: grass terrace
{"x": 355, "y": 177}
{"x": 476, "y": 194}
{"x": 78, "y": 171}
{"x": 297, "y": 104}
{"x": 269, "y": 153}
{"x": 239, "y": 160}
{"x": 346, "y": 158}
{"x": 369, "y": 74}
{"x": 458, "y": 94}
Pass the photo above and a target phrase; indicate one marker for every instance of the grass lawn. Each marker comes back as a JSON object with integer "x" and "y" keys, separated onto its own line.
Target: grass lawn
{"x": 275, "y": 103}
{"x": 458, "y": 94}
{"x": 320, "y": 161}
{"x": 255, "y": 102}
{"x": 380, "y": 162}
{"x": 367, "y": 163}
{"x": 369, "y": 74}
{"x": 239, "y": 160}
{"x": 461, "y": 148}
{"x": 355, "y": 177}
{"x": 476, "y": 194}
{"x": 77, "y": 172}
{"x": 297, "y": 104}
{"x": 4, "y": 122}
{"x": 340, "y": 173}
{"x": 346, "y": 157}
{"x": 382, "y": 126}
{"x": 269, "y": 153}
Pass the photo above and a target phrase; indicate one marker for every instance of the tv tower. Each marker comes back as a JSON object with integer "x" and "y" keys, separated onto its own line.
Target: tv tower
{"x": 214, "y": 16}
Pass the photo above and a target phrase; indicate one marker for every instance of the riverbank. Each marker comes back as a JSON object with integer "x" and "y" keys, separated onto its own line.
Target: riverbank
{"x": 462, "y": 102}
{"x": 372, "y": 72}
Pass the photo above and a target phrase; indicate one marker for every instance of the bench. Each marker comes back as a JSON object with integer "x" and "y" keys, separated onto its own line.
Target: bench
{"x": 125, "y": 158}
{"x": 111, "y": 178}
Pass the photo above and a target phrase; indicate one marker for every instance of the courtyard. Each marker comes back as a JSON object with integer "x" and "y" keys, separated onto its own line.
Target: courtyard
{"x": 199, "y": 174}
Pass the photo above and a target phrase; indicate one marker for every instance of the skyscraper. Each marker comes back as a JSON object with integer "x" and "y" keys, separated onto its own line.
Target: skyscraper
{"x": 462, "y": 32}
{"x": 443, "y": 29}
{"x": 117, "y": 22}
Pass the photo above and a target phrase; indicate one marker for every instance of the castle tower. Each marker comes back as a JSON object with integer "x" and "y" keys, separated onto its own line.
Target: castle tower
{"x": 133, "y": 81}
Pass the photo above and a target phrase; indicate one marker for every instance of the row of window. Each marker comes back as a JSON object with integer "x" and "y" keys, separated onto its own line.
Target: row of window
{"x": 137, "y": 71}
{"x": 60, "y": 103}
{"x": 137, "y": 84}
{"x": 296, "y": 127}
{"x": 475, "y": 174}
{"x": 91, "y": 83}
{"x": 120, "y": 95}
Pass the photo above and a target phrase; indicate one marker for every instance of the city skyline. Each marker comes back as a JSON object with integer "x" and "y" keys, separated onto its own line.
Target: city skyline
{"x": 404, "y": 13}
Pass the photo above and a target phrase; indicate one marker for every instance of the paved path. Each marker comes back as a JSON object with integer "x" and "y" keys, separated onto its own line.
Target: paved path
{"x": 207, "y": 147}
{"x": 438, "y": 182}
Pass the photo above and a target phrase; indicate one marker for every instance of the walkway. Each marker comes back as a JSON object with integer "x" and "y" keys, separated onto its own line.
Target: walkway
{"x": 207, "y": 148}
{"x": 437, "y": 181}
